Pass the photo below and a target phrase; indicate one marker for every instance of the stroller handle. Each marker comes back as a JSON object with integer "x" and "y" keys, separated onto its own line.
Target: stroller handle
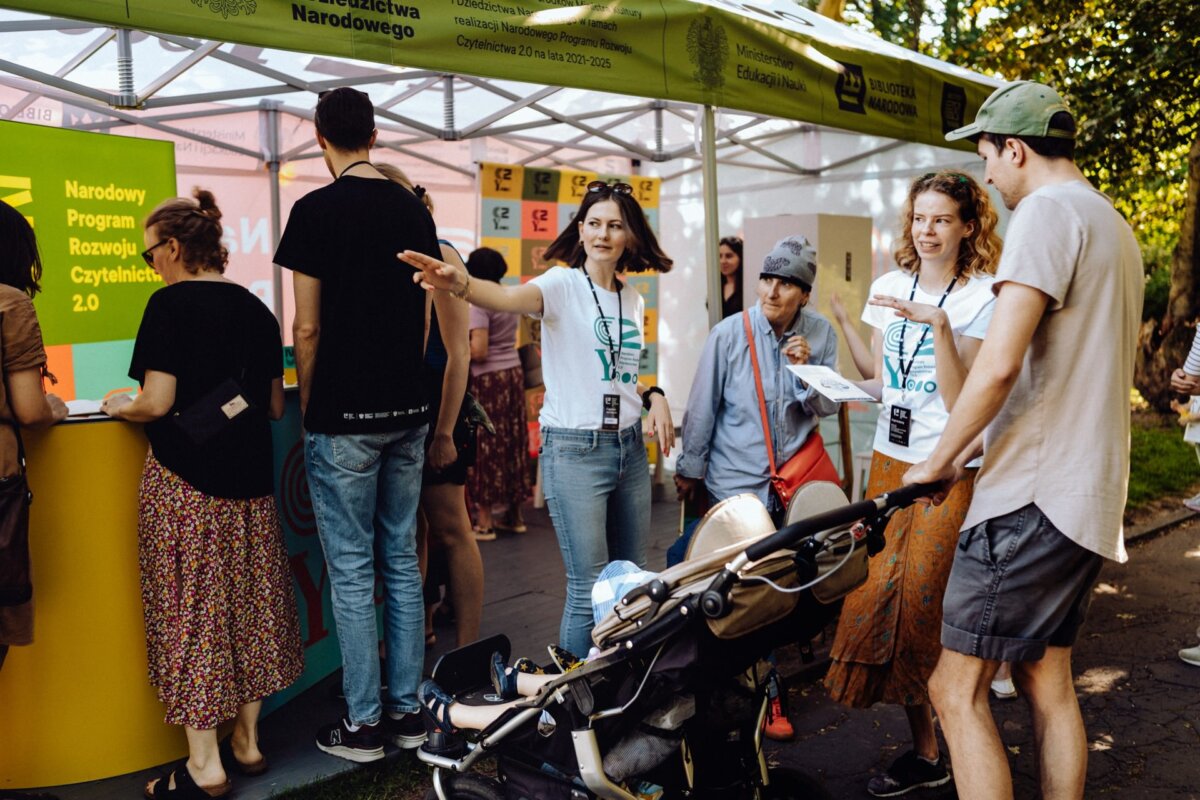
{"x": 714, "y": 599}
{"x": 784, "y": 537}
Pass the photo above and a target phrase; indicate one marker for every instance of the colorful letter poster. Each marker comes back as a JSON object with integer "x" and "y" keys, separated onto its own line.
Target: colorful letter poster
{"x": 524, "y": 209}
{"x": 86, "y": 195}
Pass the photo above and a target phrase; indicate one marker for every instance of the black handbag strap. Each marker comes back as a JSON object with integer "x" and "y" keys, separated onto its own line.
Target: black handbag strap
{"x": 20, "y": 445}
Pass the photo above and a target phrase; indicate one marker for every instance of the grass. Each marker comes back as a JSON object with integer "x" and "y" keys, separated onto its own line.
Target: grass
{"x": 399, "y": 777}
{"x": 1160, "y": 462}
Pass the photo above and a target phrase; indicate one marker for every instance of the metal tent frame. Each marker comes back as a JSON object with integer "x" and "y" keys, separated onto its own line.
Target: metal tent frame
{"x": 520, "y": 115}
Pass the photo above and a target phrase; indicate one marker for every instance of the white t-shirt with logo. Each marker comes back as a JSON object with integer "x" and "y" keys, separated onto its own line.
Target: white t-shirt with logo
{"x": 969, "y": 309}
{"x": 576, "y": 351}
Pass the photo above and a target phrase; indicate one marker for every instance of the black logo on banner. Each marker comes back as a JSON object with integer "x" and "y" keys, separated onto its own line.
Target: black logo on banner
{"x": 851, "y": 88}
{"x": 954, "y": 107}
{"x": 707, "y": 49}
{"x": 228, "y": 8}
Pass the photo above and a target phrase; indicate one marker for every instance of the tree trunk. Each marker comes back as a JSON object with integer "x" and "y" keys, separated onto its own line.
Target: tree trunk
{"x": 1163, "y": 344}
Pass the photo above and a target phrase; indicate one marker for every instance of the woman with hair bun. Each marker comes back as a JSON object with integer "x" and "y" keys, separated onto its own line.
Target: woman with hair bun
{"x": 888, "y": 638}
{"x": 222, "y": 631}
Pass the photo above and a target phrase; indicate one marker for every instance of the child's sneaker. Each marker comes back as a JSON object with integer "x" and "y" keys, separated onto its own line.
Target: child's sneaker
{"x": 564, "y": 659}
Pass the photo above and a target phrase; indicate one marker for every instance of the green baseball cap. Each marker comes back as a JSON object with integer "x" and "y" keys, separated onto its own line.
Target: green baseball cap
{"x": 1022, "y": 108}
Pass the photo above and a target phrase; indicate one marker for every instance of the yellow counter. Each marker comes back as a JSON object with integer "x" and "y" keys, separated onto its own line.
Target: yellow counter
{"x": 76, "y": 705}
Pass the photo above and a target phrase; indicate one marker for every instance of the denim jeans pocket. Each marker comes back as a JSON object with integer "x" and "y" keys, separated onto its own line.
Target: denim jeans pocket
{"x": 570, "y": 447}
{"x": 357, "y": 453}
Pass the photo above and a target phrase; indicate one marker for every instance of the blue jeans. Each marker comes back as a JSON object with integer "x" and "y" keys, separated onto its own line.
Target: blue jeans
{"x": 597, "y": 486}
{"x": 365, "y": 489}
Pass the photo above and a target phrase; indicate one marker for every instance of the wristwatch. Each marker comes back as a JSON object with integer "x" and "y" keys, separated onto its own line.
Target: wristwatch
{"x": 646, "y": 396}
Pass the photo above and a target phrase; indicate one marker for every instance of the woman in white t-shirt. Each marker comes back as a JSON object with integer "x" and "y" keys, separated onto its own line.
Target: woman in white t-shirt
{"x": 930, "y": 317}
{"x": 593, "y": 460}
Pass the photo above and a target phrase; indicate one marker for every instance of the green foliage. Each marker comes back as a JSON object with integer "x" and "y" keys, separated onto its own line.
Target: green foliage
{"x": 1160, "y": 462}
{"x": 1158, "y": 287}
{"x": 1130, "y": 71}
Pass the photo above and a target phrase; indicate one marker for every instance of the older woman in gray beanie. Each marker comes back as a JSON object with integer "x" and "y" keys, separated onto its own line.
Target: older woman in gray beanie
{"x": 724, "y": 445}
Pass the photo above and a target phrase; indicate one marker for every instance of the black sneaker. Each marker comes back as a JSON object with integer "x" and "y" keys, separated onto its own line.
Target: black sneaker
{"x": 909, "y": 772}
{"x": 363, "y": 745}
{"x": 407, "y": 732}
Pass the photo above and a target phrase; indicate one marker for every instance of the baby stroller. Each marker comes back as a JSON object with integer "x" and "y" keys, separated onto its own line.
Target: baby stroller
{"x": 674, "y": 703}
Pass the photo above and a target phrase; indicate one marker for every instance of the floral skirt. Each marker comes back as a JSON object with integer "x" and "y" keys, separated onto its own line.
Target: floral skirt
{"x": 501, "y": 472}
{"x": 221, "y": 622}
{"x": 889, "y": 634}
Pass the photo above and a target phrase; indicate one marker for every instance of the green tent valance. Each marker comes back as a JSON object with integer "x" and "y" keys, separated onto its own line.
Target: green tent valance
{"x": 767, "y": 56}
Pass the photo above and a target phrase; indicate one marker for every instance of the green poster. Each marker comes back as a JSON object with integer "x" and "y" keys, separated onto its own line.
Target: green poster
{"x": 86, "y": 195}
{"x": 764, "y": 56}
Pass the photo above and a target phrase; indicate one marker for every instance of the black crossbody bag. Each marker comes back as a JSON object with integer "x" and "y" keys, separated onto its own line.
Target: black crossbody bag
{"x": 216, "y": 410}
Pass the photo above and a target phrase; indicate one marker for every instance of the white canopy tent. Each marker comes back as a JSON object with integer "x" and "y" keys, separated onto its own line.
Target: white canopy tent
{"x": 94, "y": 74}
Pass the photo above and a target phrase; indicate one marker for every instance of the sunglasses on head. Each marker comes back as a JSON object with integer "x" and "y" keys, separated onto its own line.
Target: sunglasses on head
{"x": 616, "y": 187}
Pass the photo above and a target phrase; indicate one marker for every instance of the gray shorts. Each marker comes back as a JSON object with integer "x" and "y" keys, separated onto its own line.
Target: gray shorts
{"x": 1017, "y": 586}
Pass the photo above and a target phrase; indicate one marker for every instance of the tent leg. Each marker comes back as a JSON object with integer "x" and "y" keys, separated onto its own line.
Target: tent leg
{"x": 270, "y": 134}
{"x": 712, "y": 221}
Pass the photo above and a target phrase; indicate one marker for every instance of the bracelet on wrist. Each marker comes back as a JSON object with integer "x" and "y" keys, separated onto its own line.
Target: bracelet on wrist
{"x": 646, "y": 396}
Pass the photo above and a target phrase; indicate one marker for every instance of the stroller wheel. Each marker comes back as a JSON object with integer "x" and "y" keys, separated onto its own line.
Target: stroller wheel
{"x": 467, "y": 786}
{"x": 791, "y": 784}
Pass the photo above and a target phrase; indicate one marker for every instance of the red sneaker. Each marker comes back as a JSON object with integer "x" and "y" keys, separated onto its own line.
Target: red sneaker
{"x": 776, "y": 725}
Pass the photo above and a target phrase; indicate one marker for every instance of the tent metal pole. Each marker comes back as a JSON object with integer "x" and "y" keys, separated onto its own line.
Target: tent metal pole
{"x": 712, "y": 230}
{"x": 126, "y": 94}
{"x": 270, "y": 112}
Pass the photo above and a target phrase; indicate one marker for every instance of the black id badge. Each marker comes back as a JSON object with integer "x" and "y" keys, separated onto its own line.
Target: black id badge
{"x": 610, "y": 420}
{"x": 900, "y": 425}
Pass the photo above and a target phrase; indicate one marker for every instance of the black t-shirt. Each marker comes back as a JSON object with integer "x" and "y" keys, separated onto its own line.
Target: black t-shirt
{"x": 368, "y": 375}
{"x": 204, "y": 332}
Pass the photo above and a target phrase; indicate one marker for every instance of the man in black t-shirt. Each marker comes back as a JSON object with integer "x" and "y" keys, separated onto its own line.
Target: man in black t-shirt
{"x": 358, "y": 331}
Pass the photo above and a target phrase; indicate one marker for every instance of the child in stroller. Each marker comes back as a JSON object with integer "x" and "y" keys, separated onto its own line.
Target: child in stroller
{"x": 672, "y": 705}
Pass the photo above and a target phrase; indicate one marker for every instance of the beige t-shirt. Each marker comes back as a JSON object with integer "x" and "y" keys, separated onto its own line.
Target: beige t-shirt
{"x": 1061, "y": 440}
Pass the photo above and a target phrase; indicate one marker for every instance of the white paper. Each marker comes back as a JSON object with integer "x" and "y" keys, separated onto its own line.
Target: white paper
{"x": 82, "y": 408}
{"x": 1191, "y": 434}
{"x": 829, "y": 383}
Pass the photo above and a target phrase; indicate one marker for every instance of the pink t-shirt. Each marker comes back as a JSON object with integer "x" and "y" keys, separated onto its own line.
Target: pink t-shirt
{"x": 502, "y": 340}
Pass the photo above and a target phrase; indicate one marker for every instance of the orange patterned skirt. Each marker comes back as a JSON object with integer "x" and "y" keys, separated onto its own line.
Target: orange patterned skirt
{"x": 889, "y": 634}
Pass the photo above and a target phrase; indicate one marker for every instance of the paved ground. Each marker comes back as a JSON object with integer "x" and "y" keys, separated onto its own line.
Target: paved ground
{"x": 1141, "y": 705}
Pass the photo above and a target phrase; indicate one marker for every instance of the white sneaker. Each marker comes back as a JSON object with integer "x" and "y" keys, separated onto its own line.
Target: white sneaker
{"x": 1005, "y": 689}
{"x": 1192, "y": 504}
{"x": 1191, "y": 655}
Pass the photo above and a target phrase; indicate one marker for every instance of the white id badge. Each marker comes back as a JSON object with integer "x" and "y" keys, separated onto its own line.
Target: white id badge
{"x": 610, "y": 419}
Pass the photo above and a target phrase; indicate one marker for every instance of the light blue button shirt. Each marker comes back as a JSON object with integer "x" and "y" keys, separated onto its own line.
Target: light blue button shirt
{"x": 722, "y": 428}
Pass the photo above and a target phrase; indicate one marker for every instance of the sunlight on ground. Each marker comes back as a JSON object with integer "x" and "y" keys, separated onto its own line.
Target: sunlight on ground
{"x": 1100, "y": 680}
{"x": 1104, "y": 742}
{"x": 1192, "y": 553}
{"x": 1106, "y": 588}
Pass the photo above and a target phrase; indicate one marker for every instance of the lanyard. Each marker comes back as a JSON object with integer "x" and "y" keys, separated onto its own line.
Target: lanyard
{"x": 352, "y": 166}
{"x": 613, "y": 352}
{"x": 904, "y": 327}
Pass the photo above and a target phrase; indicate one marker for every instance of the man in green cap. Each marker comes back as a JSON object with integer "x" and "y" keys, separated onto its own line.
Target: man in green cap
{"x": 1049, "y": 391}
